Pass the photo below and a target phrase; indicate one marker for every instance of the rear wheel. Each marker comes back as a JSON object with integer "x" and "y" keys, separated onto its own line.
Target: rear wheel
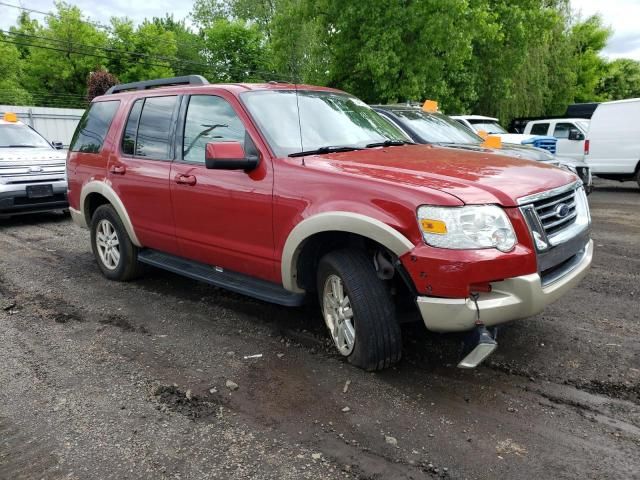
{"x": 116, "y": 255}
{"x": 358, "y": 310}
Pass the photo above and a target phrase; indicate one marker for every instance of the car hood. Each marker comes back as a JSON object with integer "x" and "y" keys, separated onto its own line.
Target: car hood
{"x": 31, "y": 156}
{"x": 472, "y": 177}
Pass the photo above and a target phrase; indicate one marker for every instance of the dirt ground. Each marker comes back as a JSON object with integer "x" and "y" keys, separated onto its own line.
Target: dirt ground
{"x": 103, "y": 380}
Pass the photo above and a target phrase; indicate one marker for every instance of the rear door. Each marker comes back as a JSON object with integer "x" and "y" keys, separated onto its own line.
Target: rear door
{"x": 565, "y": 147}
{"x": 140, "y": 172}
{"x": 223, "y": 217}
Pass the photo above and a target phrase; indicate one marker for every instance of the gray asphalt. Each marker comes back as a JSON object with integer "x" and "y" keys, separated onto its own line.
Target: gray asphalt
{"x": 127, "y": 381}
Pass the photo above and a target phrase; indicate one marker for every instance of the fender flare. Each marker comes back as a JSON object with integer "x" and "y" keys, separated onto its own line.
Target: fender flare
{"x": 109, "y": 193}
{"x": 336, "y": 222}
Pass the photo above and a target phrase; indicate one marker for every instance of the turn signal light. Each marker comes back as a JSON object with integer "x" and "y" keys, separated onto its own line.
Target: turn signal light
{"x": 586, "y": 147}
{"x": 10, "y": 117}
{"x": 433, "y": 226}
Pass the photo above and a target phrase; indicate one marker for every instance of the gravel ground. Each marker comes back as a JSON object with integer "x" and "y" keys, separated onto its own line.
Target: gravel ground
{"x": 149, "y": 379}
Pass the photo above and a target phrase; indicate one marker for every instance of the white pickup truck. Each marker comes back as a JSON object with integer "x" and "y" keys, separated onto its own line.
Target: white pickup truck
{"x": 570, "y": 132}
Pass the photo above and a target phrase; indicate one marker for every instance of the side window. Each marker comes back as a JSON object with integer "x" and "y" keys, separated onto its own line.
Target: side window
{"x": 562, "y": 130}
{"x": 154, "y": 128}
{"x": 131, "y": 129}
{"x": 539, "y": 129}
{"x": 93, "y": 127}
{"x": 209, "y": 119}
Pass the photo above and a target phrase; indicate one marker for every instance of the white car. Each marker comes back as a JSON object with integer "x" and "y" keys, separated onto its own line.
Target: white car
{"x": 570, "y": 132}
{"x": 32, "y": 170}
{"x": 612, "y": 147}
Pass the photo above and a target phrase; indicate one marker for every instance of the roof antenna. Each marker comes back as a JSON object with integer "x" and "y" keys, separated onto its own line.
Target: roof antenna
{"x": 295, "y": 86}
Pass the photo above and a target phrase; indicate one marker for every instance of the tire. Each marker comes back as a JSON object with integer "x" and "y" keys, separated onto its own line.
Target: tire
{"x": 376, "y": 338}
{"x": 124, "y": 266}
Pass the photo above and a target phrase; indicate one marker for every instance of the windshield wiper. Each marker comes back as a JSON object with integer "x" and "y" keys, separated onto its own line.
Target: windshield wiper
{"x": 322, "y": 150}
{"x": 18, "y": 146}
{"x": 390, "y": 143}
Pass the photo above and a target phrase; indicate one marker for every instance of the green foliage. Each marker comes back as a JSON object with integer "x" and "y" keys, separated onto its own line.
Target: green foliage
{"x": 61, "y": 56}
{"x": 234, "y": 50}
{"x": 621, "y": 80}
{"x": 11, "y": 91}
{"x": 494, "y": 57}
{"x": 589, "y": 38}
{"x": 144, "y": 52}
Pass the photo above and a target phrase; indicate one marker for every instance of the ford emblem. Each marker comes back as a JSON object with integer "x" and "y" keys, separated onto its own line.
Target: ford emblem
{"x": 562, "y": 210}
{"x": 35, "y": 169}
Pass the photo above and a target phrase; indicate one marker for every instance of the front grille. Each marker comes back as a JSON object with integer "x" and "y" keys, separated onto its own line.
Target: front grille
{"x": 557, "y": 212}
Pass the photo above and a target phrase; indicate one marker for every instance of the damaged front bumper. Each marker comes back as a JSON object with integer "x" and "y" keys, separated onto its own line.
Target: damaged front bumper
{"x": 510, "y": 299}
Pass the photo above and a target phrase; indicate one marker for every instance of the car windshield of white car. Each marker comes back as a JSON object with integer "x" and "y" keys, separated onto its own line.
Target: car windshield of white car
{"x": 436, "y": 127}
{"x": 488, "y": 126}
{"x": 20, "y": 136}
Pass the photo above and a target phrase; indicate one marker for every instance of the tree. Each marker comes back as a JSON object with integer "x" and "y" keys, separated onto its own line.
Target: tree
{"x": 99, "y": 82}
{"x": 61, "y": 55}
{"x": 11, "y": 90}
{"x": 235, "y": 51}
{"x": 140, "y": 53}
{"x": 189, "y": 47}
{"x": 589, "y": 38}
{"x": 621, "y": 80}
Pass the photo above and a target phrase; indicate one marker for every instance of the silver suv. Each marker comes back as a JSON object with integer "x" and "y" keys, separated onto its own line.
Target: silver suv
{"x": 32, "y": 171}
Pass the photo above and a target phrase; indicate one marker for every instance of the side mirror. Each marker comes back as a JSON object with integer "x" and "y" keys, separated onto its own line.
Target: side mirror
{"x": 575, "y": 135}
{"x": 57, "y": 145}
{"x": 228, "y": 156}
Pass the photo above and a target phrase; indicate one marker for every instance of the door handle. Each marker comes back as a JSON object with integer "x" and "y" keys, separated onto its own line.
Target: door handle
{"x": 186, "y": 179}
{"x": 118, "y": 169}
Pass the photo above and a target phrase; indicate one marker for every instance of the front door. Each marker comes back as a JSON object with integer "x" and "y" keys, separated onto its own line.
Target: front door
{"x": 223, "y": 217}
{"x": 140, "y": 172}
{"x": 565, "y": 147}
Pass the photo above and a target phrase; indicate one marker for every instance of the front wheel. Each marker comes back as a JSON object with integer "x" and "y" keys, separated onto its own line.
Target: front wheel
{"x": 358, "y": 310}
{"x": 115, "y": 254}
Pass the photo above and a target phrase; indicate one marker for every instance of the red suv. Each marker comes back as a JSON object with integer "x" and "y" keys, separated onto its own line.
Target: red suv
{"x": 276, "y": 191}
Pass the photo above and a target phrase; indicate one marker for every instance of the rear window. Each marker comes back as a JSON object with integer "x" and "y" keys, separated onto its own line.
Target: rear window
{"x": 93, "y": 127}
{"x": 155, "y": 128}
{"x": 539, "y": 129}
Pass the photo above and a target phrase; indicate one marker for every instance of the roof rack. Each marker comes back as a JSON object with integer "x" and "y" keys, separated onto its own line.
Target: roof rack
{"x": 160, "y": 82}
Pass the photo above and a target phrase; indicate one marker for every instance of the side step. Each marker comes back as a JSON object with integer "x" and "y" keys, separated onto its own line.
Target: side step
{"x": 236, "y": 282}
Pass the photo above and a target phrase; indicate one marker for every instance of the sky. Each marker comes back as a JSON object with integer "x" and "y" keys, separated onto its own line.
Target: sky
{"x": 621, "y": 15}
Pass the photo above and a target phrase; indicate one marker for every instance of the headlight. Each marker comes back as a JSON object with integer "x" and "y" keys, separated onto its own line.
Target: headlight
{"x": 467, "y": 228}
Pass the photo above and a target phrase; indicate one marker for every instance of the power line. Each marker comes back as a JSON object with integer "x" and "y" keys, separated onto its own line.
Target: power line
{"x": 172, "y": 61}
{"x": 108, "y": 28}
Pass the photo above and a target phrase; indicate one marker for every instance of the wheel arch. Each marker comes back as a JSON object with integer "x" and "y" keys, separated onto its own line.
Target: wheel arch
{"x": 98, "y": 193}
{"x": 327, "y": 226}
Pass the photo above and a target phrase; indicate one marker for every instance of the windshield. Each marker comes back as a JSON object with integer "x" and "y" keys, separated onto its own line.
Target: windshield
{"x": 436, "y": 127}
{"x": 326, "y": 119}
{"x": 488, "y": 126}
{"x": 18, "y": 135}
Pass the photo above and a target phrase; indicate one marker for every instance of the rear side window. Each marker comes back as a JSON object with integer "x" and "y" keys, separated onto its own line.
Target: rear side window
{"x": 540, "y": 129}
{"x": 131, "y": 129}
{"x": 93, "y": 127}
{"x": 155, "y": 128}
